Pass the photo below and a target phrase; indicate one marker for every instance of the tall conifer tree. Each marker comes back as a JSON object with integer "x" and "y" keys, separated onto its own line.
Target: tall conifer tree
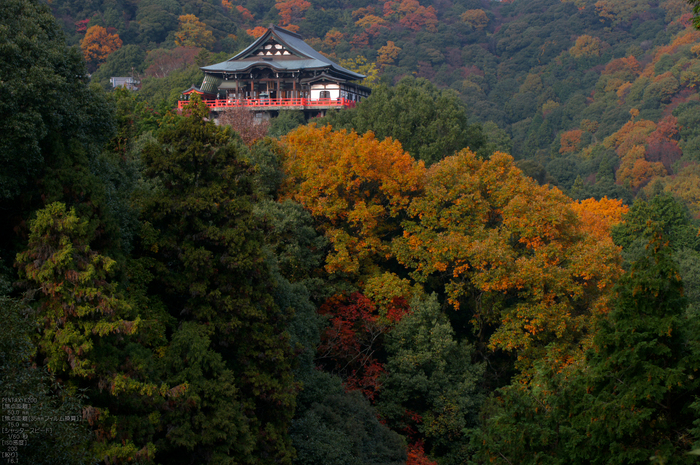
{"x": 640, "y": 379}
{"x": 205, "y": 244}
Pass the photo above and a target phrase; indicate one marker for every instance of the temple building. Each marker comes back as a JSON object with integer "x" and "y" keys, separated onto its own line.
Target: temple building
{"x": 279, "y": 71}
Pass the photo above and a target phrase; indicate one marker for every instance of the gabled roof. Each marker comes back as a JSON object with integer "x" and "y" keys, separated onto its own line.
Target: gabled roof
{"x": 280, "y": 49}
{"x": 193, "y": 89}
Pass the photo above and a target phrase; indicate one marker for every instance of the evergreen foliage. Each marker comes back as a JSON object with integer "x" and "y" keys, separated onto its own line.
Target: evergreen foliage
{"x": 204, "y": 244}
{"x": 431, "y": 387}
{"x": 53, "y": 442}
{"x": 430, "y": 123}
{"x": 78, "y": 305}
{"x": 53, "y": 124}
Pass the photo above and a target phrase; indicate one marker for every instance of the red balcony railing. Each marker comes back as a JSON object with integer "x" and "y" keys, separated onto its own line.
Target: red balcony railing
{"x": 300, "y": 103}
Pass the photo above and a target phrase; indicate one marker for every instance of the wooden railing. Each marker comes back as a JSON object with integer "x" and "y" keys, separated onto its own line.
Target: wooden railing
{"x": 273, "y": 102}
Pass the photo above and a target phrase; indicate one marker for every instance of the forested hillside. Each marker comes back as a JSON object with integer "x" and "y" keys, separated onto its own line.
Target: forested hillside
{"x": 492, "y": 259}
{"x": 562, "y": 79}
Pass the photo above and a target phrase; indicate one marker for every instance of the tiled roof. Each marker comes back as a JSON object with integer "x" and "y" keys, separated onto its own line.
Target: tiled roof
{"x": 294, "y": 54}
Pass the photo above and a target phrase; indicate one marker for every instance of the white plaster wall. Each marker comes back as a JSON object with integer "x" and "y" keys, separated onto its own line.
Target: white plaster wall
{"x": 316, "y": 91}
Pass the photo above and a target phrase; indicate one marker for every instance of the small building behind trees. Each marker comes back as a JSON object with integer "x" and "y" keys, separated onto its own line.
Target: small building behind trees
{"x": 279, "y": 71}
{"x": 130, "y": 83}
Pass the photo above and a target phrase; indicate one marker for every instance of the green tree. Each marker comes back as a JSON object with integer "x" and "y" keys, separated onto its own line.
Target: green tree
{"x": 77, "y": 305}
{"x": 156, "y": 90}
{"x": 285, "y": 122}
{"x": 497, "y": 139}
{"x": 341, "y": 428}
{"x": 641, "y": 372}
{"x": 156, "y": 18}
{"x": 210, "y": 422}
{"x": 53, "y": 124}
{"x": 266, "y": 157}
{"x": 662, "y": 213}
{"x": 50, "y": 442}
{"x": 86, "y": 328}
{"x": 430, "y": 123}
{"x": 431, "y": 386}
{"x": 204, "y": 243}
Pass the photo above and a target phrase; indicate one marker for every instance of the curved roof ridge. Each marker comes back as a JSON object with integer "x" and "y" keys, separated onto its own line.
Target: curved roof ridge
{"x": 286, "y": 31}
{"x": 294, "y": 43}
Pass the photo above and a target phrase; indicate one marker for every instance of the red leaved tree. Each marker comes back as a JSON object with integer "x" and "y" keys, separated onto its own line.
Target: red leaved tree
{"x": 353, "y": 340}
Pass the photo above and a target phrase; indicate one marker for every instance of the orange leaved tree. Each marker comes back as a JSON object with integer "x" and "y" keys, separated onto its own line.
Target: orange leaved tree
{"x": 599, "y": 216}
{"x": 571, "y": 141}
{"x": 630, "y": 142}
{"x": 292, "y": 11}
{"x": 388, "y": 54}
{"x": 533, "y": 275}
{"x": 97, "y": 45}
{"x": 256, "y": 31}
{"x": 357, "y": 188}
{"x": 245, "y": 13}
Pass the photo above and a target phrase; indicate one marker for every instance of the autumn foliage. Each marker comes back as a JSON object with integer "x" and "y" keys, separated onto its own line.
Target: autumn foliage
{"x": 586, "y": 47}
{"x": 540, "y": 268}
{"x": 618, "y": 11}
{"x": 354, "y": 336}
{"x": 356, "y": 187}
{"x": 81, "y": 26}
{"x": 333, "y": 38}
{"x": 388, "y": 54}
{"x": 292, "y": 11}
{"x": 518, "y": 248}
{"x": 193, "y": 33}
{"x": 98, "y": 44}
{"x": 416, "y": 455}
{"x": 599, "y": 216}
{"x": 571, "y": 141}
{"x": 369, "y": 21}
{"x": 245, "y": 13}
{"x": 245, "y": 124}
{"x": 411, "y": 14}
{"x": 647, "y": 150}
{"x": 475, "y": 18}
{"x": 628, "y": 66}
{"x": 256, "y": 31}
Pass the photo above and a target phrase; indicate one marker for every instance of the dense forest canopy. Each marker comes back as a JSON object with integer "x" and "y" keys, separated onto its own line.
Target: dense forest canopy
{"x": 492, "y": 259}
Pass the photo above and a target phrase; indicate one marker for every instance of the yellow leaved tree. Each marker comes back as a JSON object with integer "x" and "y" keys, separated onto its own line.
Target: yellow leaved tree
{"x": 532, "y": 273}
{"x": 388, "y": 54}
{"x": 586, "y": 47}
{"x": 193, "y": 33}
{"x": 360, "y": 65}
{"x": 475, "y": 18}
